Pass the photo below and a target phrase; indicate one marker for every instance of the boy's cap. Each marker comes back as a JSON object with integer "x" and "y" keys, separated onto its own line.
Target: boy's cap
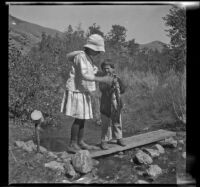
{"x": 95, "y": 42}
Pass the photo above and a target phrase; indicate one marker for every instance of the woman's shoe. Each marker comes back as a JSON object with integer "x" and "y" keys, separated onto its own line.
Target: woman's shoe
{"x": 121, "y": 142}
{"x": 73, "y": 147}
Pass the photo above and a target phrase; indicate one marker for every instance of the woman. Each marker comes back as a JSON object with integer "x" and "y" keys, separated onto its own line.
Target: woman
{"x": 81, "y": 82}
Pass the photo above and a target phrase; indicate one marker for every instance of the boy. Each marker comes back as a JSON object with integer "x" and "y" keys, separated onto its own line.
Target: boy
{"x": 110, "y": 107}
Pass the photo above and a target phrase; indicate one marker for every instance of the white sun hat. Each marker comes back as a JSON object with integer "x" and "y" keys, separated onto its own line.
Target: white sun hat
{"x": 95, "y": 42}
{"x": 36, "y": 115}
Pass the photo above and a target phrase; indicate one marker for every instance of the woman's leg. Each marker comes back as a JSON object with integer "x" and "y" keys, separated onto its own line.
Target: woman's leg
{"x": 81, "y": 142}
{"x": 74, "y": 136}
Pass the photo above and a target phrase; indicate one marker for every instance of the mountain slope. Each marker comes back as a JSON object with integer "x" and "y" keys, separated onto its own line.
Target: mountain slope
{"x": 24, "y": 35}
{"x": 154, "y": 45}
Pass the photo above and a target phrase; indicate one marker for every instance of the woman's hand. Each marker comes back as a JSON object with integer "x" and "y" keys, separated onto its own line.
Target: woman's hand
{"x": 108, "y": 79}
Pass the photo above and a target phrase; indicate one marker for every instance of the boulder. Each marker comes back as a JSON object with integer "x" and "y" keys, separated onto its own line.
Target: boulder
{"x": 152, "y": 152}
{"x": 160, "y": 148}
{"x": 154, "y": 171}
{"x": 69, "y": 170}
{"x": 169, "y": 142}
{"x": 55, "y": 166}
{"x": 82, "y": 161}
{"x": 142, "y": 157}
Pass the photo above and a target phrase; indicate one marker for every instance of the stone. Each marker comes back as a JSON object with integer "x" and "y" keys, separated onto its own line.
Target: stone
{"x": 66, "y": 181}
{"x": 69, "y": 170}
{"x": 52, "y": 155}
{"x": 31, "y": 145}
{"x": 142, "y": 158}
{"x": 27, "y": 146}
{"x": 152, "y": 152}
{"x": 55, "y": 166}
{"x": 64, "y": 155}
{"x": 184, "y": 155}
{"x": 169, "y": 142}
{"x": 181, "y": 141}
{"x": 95, "y": 162}
{"x": 82, "y": 161}
{"x": 120, "y": 153}
{"x": 160, "y": 148}
{"x": 84, "y": 180}
{"x": 141, "y": 182}
{"x": 43, "y": 150}
{"x": 154, "y": 171}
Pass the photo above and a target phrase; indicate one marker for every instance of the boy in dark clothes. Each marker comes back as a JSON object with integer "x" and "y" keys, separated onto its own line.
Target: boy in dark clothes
{"x": 110, "y": 107}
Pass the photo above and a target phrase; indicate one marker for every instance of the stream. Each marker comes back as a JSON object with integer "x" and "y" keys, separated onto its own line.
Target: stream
{"x": 120, "y": 168}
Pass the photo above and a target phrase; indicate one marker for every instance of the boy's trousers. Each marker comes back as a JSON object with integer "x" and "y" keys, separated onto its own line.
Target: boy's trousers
{"x": 110, "y": 129}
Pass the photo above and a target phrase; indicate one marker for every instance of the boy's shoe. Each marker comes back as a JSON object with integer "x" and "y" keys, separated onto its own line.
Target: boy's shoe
{"x": 104, "y": 146}
{"x": 83, "y": 145}
{"x": 121, "y": 142}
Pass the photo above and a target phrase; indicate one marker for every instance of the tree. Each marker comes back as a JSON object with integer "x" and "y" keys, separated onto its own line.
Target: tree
{"x": 133, "y": 47}
{"x": 117, "y": 35}
{"x": 95, "y": 29}
{"x": 176, "y": 20}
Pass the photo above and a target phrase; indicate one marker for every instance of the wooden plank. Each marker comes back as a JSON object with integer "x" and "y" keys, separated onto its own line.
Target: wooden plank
{"x": 135, "y": 141}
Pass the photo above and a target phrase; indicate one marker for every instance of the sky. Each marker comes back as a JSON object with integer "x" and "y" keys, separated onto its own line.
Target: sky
{"x": 144, "y": 23}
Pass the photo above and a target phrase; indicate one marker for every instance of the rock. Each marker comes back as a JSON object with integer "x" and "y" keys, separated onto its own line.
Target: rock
{"x": 69, "y": 170}
{"x": 169, "y": 142}
{"x": 181, "y": 141}
{"x": 142, "y": 158}
{"x": 141, "y": 182}
{"x": 154, "y": 171}
{"x": 83, "y": 180}
{"x": 184, "y": 155}
{"x": 31, "y": 145}
{"x": 43, "y": 150}
{"x": 65, "y": 181}
{"x": 28, "y": 146}
{"x": 38, "y": 156}
{"x": 52, "y": 155}
{"x": 160, "y": 148}
{"x": 64, "y": 155}
{"x": 120, "y": 153}
{"x": 82, "y": 161}
{"x": 152, "y": 152}
{"x": 55, "y": 166}
{"x": 180, "y": 148}
{"x": 95, "y": 162}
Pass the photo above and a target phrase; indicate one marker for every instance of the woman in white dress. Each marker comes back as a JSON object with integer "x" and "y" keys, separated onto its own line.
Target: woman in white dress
{"x": 81, "y": 82}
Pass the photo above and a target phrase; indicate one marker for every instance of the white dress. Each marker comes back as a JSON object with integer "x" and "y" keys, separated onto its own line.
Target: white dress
{"x": 76, "y": 101}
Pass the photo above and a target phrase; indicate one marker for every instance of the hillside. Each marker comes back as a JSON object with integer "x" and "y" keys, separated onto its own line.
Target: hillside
{"x": 24, "y": 35}
{"x": 153, "y": 45}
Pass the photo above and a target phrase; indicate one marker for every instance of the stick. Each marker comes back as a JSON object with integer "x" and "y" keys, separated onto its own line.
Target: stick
{"x": 13, "y": 155}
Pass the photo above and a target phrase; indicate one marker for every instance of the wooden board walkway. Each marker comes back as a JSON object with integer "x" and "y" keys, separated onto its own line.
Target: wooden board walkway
{"x": 134, "y": 141}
